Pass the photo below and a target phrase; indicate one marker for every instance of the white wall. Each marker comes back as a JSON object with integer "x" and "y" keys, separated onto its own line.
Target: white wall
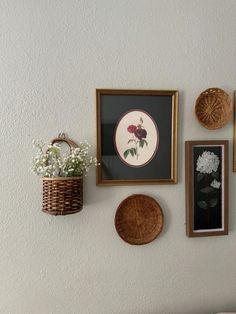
{"x": 53, "y": 54}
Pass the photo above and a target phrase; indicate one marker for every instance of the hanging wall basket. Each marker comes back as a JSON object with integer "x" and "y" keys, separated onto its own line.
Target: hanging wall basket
{"x": 63, "y": 195}
{"x": 139, "y": 219}
{"x": 213, "y": 108}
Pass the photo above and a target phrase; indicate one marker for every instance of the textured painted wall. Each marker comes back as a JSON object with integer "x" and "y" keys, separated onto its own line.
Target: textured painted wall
{"x": 53, "y": 54}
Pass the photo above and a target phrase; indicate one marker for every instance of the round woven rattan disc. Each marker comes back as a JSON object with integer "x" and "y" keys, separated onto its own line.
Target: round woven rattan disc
{"x": 139, "y": 219}
{"x": 213, "y": 108}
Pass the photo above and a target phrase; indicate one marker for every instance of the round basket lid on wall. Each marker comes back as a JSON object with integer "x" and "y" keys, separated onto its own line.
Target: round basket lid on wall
{"x": 139, "y": 219}
{"x": 213, "y": 108}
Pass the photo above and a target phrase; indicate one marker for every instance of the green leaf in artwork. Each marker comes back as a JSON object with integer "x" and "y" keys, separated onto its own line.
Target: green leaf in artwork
{"x": 200, "y": 176}
{"x": 131, "y": 152}
{"x": 202, "y": 204}
{"x": 141, "y": 143}
{"x": 126, "y": 153}
{"x": 207, "y": 189}
{"x": 129, "y": 141}
{"x": 134, "y": 151}
{"x": 213, "y": 202}
{"x": 145, "y": 142}
{"x": 141, "y": 120}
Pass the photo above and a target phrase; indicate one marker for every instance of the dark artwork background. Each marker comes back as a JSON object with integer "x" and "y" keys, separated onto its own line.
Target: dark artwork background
{"x": 113, "y": 107}
{"x": 210, "y": 217}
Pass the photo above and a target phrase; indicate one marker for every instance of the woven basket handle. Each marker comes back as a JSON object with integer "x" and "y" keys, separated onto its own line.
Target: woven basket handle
{"x": 62, "y": 138}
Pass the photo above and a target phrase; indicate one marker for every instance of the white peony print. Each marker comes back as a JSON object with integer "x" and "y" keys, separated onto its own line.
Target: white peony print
{"x": 207, "y": 162}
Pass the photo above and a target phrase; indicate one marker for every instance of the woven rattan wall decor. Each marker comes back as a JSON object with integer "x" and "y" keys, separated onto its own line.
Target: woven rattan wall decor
{"x": 213, "y": 108}
{"x": 62, "y": 173}
{"x": 139, "y": 219}
{"x": 63, "y": 195}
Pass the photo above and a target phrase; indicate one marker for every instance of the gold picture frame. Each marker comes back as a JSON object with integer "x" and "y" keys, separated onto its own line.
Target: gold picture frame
{"x": 160, "y": 109}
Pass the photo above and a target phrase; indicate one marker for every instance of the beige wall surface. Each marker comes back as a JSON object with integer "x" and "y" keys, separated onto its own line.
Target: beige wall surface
{"x": 53, "y": 55}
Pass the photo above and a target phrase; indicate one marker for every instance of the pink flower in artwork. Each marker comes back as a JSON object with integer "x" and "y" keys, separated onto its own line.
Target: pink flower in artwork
{"x": 132, "y": 128}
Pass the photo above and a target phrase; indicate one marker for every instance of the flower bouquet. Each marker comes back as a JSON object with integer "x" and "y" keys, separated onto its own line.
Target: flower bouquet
{"x": 62, "y": 175}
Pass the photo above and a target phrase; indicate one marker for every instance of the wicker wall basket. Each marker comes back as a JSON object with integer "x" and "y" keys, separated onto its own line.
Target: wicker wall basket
{"x": 63, "y": 195}
{"x": 139, "y": 219}
{"x": 213, "y": 108}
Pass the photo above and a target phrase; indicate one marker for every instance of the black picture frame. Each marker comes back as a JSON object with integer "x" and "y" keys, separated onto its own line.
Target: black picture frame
{"x": 160, "y": 107}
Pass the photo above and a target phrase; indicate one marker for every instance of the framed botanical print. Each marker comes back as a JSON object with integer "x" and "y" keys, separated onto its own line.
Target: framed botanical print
{"x": 136, "y": 136}
{"x": 206, "y": 185}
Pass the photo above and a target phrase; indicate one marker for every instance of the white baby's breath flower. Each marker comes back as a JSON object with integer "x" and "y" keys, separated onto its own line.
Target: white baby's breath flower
{"x": 50, "y": 162}
{"x": 207, "y": 162}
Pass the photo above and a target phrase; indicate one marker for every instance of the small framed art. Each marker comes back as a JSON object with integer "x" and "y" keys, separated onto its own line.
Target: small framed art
{"x": 136, "y": 136}
{"x": 206, "y": 185}
{"x": 234, "y": 155}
